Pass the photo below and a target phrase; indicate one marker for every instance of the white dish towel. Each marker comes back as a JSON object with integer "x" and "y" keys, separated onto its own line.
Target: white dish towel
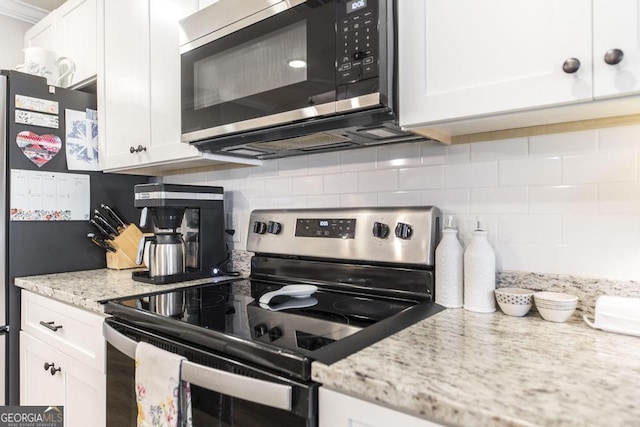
{"x": 163, "y": 399}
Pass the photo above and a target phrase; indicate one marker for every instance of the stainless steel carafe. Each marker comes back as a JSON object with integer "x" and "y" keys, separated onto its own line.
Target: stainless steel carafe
{"x": 166, "y": 254}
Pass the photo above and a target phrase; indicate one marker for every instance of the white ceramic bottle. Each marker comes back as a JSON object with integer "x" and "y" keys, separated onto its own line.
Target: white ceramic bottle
{"x": 449, "y": 253}
{"x": 479, "y": 273}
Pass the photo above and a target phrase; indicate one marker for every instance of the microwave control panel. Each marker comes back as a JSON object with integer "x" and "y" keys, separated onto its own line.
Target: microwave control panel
{"x": 357, "y": 40}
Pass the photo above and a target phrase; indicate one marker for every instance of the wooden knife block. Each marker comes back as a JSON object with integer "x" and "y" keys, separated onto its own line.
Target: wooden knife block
{"x": 126, "y": 246}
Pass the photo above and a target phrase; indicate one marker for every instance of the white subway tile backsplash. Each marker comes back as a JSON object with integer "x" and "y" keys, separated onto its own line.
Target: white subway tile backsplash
{"x": 323, "y": 201}
{"x": 420, "y": 178}
{"x": 622, "y": 198}
{"x": 567, "y": 199}
{"x": 378, "y": 180}
{"x": 530, "y": 228}
{"x": 471, "y": 175}
{"x": 341, "y": 183}
{"x": 278, "y": 187}
{"x": 398, "y": 155}
{"x": 399, "y": 198}
{"x": 501, "y": 200}
{"x": 358, "y": 160}
{"x": 292, "y": 166}
{"x": 434, "y": 153}
{"x": 531, "y": 171}
{"x": 308, "y": 185}
{"x": 605, "y": 231}
{"x": 323, "y": 163}
{"x": 616, "y": 138}
{"x": 452, "y": 201}
{"x": 566, "y": 203}
{"x": 568, "y": 142}
{"x": 502, "y": 149}
{"x": 358, "y": 200}
{"x": 608, "y": 166}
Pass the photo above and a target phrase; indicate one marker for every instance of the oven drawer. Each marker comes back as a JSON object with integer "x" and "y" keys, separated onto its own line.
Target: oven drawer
{"x": 71, "y": 330}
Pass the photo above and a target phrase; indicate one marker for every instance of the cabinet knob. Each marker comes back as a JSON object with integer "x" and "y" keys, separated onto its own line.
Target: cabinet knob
{"x": 139, "y": 149}
{"x": 51, "y": 367}
{"x": 571, "y": 65}
{"x": 613, "y": 56}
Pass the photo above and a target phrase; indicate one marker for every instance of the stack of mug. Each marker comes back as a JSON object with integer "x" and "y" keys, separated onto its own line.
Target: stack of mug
{"x": 57, "y": 69}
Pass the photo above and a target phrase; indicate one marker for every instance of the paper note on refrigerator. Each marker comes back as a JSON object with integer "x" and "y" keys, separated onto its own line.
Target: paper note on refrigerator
{"x": 49, "y": 196}
{"x": 81, "y": 132}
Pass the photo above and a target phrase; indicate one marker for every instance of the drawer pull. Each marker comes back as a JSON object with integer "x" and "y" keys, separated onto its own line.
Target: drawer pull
{"x": 51, "y": 367}
{"x": 50, "y": 325}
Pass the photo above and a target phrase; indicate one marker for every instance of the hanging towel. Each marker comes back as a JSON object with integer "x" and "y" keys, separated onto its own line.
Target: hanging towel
{"x": 163, "y": 400}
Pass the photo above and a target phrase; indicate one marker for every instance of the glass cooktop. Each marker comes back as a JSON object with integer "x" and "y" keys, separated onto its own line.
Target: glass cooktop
{"x": 287, "y": 334}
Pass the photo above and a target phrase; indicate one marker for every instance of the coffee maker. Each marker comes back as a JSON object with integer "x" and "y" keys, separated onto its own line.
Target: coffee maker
{"x": 188, "y": 240}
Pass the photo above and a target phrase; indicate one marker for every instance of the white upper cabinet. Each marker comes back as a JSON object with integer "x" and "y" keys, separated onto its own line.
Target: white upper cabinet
{"x": 139, "y": 89}
{"x": 616, "y": 47}
{"x": 471, "y": 61}
{"x": 70, "y": 30}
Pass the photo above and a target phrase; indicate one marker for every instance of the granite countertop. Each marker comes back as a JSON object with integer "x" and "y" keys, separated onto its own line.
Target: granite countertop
{"x": 457, "y": 367}
{"x": 90, "y": 288}
{"x": 464, "y": 368}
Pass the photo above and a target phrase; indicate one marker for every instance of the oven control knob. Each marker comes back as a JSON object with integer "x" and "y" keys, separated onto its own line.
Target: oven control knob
{"x": 275, "y": 333}
{"x": 260, "y": 329}
{"x": 403, "y": 231}
{"x": 259, "y": 227}
{"x": 274, "y": 227}
{"x": 380, "y": 230}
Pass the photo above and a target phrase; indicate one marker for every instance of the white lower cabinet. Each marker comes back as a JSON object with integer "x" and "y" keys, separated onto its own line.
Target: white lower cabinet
{"x": 61, "y": 361}
{"x": 339, "y": 410}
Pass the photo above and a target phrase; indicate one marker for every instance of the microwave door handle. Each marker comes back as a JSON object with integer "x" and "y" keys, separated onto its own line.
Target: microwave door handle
{"x": 254, "y": 390}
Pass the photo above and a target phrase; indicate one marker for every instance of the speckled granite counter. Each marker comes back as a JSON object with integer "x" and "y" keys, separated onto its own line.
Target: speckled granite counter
{"x": 89, "y": 288}
{"x": 470, "y": 369}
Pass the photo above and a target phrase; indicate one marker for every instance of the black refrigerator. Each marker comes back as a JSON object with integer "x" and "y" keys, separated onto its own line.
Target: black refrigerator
{"x": 45, "y": 231}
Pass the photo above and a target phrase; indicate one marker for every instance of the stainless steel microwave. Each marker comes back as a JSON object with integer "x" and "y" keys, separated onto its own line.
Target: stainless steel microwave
{"x": 275, "y": 78}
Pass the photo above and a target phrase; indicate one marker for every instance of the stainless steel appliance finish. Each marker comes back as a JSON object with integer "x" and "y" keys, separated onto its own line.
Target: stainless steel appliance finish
{"x": 365, "y": 274}
{"x": 241, "y": 97}
{"x": 388, "y": 235}
{"x": 167, "y": 255}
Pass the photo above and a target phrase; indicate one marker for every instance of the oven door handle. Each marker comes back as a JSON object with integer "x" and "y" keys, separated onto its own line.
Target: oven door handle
{"x": 254, "y": 390}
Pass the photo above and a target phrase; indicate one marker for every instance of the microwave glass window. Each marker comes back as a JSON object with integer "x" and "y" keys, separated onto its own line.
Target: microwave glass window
{"x": 282, "y": 59}
{"x": 283, "y": 64}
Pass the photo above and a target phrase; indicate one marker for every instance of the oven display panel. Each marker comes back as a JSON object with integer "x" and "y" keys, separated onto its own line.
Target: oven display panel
{"x": 326, "y": 228}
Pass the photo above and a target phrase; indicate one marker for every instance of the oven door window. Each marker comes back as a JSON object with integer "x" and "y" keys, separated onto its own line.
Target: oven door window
{"x": 281, "y": 64}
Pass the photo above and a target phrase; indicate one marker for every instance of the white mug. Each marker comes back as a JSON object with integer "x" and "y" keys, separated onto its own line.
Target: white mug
{"x": 58, "y": 70}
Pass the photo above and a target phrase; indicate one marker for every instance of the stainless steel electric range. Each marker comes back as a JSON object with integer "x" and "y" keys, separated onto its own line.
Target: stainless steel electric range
{"x": 323, "y": 285}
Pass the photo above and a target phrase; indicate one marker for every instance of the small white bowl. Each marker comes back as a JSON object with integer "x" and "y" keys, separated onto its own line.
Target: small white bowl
{"x": 555, "y": 306}
{"x": 514, "y": 301}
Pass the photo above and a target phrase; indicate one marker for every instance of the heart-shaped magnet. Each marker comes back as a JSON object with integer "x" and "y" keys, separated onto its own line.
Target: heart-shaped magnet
{"x": 38, "y": 148}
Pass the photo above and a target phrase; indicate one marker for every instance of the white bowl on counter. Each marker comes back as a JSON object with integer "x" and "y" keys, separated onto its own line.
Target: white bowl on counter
{"x": 514, "y": 301}
{"x": 555, "y": 306}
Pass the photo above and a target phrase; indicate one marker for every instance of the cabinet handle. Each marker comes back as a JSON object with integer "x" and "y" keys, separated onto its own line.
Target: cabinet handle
{"x": 51, "y": 367}
{"x": 140, "y": 148}
{"x": 571, "y": 65}
{"x": 50, "y": 325}
{"x": 613, "y": 56}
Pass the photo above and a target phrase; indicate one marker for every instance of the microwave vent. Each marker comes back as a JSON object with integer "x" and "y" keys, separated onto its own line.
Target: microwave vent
{"x": 306, "y": 142}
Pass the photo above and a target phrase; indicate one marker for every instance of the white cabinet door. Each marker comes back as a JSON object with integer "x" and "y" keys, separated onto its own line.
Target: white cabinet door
{"x": 123, "y": 102}
{"x": 37, "y": 385}
{"x": 77, "y": 387}
{"x": 77, "y": 21}
{"x": 468, "y": 59}
{"x": 616, "y": 35}
{"x": 43, "y": 34}
{"x": 339, "y": 410}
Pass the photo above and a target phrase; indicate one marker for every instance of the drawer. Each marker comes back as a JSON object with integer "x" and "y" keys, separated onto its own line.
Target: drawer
{"x": 69, "y": 329}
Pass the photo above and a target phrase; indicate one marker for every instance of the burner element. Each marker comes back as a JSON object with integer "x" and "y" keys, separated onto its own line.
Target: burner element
{"x": 363, "y": 307}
